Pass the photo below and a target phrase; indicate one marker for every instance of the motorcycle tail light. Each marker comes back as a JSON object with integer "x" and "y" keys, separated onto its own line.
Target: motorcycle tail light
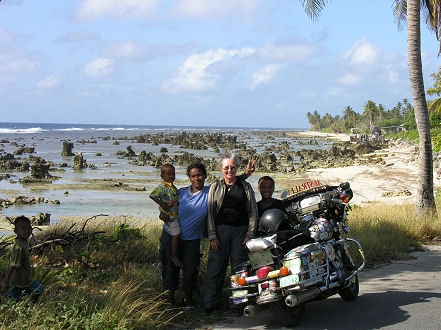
{"x": 263, "y": 272}
{"x": 264, "y": 285}
{"x": 242, "y": 281}
{"x": 284, "y": 271}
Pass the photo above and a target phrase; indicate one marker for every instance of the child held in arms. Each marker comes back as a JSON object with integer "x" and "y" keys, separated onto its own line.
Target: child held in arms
{"x": 266, "y": 187}
{"x": 18, "y": 276}
{"x": 166, "y": 196}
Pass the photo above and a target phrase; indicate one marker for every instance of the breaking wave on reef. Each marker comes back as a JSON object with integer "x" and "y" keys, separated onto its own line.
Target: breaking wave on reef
{"x": 31, "y": 130}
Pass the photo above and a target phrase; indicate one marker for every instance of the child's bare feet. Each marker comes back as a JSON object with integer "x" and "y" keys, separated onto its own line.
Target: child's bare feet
{"x": 176, "y": 261}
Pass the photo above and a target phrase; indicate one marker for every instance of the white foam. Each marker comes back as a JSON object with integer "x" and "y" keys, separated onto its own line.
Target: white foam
{"x": 69, "y": 129}
{"x": 31, "y": 130}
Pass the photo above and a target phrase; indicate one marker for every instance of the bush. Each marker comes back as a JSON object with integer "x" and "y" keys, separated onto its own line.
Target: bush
{"x": 436, "y": 139}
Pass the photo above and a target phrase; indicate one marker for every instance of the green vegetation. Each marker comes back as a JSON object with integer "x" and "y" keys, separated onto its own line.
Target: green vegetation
{"x": 112, "y": 279}
{"x": 413, "y": 136}
{"x": 372, "y": 114}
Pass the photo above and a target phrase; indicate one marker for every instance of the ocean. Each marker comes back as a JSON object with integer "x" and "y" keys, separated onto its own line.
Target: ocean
{"x": 47, "y": 139}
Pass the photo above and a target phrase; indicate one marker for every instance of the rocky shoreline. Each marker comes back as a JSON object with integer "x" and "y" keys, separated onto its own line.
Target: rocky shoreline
{"x": 277, "y": 158}
{"x": 333, "y": 157}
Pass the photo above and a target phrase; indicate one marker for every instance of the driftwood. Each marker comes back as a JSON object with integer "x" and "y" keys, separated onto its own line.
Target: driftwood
{"x": 70, "y": 237}
{"x": 49, "y": 242}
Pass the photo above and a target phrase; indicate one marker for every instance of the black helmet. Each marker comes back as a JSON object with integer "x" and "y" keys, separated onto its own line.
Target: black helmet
{"x": 271, "y": 220}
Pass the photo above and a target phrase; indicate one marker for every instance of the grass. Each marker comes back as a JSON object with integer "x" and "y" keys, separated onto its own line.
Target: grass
{"x": 387, "y": 235}
{"x": 113, "y": 280}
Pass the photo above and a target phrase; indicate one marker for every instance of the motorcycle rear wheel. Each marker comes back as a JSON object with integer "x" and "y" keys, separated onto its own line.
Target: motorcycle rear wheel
{"x": 350, "y": 293}
{"x": 286, "y": 316}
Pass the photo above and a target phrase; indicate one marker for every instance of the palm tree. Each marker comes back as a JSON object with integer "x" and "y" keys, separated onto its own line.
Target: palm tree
{"x": 370, "y": 111}
{"x": 314, "y": 120}
{"x": 381, "y": 110}
{"x": 350, "y": 117}
{"x": 411, "y": 9}
{"x": 425, "y": 197}
{"x": 435, "y": 105}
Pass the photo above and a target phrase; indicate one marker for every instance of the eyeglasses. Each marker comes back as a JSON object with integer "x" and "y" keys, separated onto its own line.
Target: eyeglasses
{"x": 231, "y": 168}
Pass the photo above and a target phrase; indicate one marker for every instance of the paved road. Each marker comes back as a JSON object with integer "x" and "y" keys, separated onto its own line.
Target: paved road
{"x": 402, "y": 295}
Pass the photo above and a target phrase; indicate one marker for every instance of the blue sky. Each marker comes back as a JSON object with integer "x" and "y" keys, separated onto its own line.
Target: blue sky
{"x": 227, "y": 63}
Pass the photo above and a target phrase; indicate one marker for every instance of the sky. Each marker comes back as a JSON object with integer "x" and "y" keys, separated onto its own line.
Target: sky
{"x": 231, "y": 63}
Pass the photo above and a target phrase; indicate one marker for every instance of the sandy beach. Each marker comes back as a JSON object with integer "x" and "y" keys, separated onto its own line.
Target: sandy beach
{"x": 393, "y": 181}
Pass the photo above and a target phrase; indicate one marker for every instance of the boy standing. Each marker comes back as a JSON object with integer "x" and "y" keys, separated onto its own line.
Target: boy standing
{"x": 266, "y": 187}
{"x": 166, "y": 196}
{"x": 18, "y": 276}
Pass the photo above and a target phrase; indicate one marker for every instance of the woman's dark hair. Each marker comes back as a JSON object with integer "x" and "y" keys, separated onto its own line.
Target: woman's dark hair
{"x": 199, "y": 166}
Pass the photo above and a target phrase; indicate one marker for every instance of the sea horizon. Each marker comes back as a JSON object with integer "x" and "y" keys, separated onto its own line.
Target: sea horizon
{"x": 35, "y": 127}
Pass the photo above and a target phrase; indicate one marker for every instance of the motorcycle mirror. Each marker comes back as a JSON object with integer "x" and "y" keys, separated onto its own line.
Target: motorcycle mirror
{"x": 284, "y": 194}
{"x": 345, "y": 186}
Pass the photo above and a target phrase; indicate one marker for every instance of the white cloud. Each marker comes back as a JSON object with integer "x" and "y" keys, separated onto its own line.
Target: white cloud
{"x": 198, "y": 73}
{"x": 393, "y": 77}
{"x": 350, "y": 79}
{"x": 5, "y": 37}
{"x": 139, "y": 50}
{"x": 362, "y": 53}
{"x": 212, "y": 9}
{"x": 17, "y": 62}
{"x": 333, "y": 92}
{"x": 98, "y": 67}
{"x": 50, "y": 82}
{"x": 265, "y": 76}
{"x": 126, "y": 49}
{"x": 288, "y": 53}
{"x": 94, "y": 9}
{"x": 79, "y": 36}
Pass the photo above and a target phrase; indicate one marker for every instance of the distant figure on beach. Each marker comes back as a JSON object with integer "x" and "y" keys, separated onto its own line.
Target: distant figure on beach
{"x": 231, "y": 222}
{"x": 166, "y": 196}
{"x": 18, "y": 276}
{"x": 266, "y": 186}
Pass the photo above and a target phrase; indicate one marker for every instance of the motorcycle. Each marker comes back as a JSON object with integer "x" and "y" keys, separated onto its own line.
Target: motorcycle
{"x": 299, "y": 255}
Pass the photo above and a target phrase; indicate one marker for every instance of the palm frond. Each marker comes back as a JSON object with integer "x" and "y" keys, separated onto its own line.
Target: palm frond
{"x": 432, "y": 14}
{"x": 432, "y": 91}
{"x": 435, "y": 106}
{"x": 399, "y": 9}
{"x": 313, "y": 8}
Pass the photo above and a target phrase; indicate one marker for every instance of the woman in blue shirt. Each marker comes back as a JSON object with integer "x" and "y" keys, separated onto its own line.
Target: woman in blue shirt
{"x": 192, "y": 214}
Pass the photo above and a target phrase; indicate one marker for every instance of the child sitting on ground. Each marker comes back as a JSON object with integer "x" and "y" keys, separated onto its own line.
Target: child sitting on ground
{"x": 18, "y": 276}
{"x": 166, "y": 196}
{"x": 266, "y": 187}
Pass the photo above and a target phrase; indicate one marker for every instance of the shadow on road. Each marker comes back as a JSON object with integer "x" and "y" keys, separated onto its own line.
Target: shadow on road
{"x": 369, "y": 311}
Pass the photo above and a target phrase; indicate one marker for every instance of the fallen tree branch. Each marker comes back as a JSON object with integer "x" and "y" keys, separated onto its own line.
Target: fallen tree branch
{"x": 49, "y": 242}
{"x": 93, "y": 217}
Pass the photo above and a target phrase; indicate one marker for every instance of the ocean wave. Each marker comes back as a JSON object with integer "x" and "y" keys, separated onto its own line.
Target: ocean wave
{"x": 31, "y": 130}
{"x": 69, "y": 129}
{"x": 115, "y": 129}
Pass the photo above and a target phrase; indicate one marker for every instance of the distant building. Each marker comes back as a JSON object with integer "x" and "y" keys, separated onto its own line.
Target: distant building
{"x": 392, "y": 129}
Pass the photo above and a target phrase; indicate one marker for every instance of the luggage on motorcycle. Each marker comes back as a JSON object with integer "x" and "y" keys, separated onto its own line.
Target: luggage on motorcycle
{"x": 262, "y": 243}
{"x": 307, "y": 266}
{"x": 260, "y": 251}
